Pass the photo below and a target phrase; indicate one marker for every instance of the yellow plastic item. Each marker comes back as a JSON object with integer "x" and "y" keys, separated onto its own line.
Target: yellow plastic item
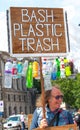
{"x": 35, "y": 69}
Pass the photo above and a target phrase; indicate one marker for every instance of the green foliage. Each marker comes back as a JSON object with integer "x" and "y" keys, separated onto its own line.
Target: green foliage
{"x": 71, "y": 90}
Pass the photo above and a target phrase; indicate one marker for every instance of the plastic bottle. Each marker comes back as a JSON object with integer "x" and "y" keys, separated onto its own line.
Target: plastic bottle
{"x": 62, "y": 68}
{"x": 71, "y": 66}
{"x": 44, "y": 65}
{"x": 35, "y": 69}
{"x": 58, "y": 67}
{"x": 19, "y": 69}
{"x": 49, "y": 65}
{"x": 29, "y": 76}
{"x": 67, "y": 67}
{"x": 54, "y": 71}
{"x": 25, "y": 66}
{"x": 14, "y": 69}
{"x": 8, "y": 74}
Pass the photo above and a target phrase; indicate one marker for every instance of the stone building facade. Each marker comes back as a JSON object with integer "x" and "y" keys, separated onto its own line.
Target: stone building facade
{"x": 18, "y": 98}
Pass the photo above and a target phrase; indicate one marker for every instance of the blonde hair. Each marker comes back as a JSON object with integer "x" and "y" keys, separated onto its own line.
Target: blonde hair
{"x": 47, "y": 96}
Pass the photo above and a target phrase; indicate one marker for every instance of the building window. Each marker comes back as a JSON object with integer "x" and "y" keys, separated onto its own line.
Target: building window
{"x": 8, "y": 97}
{"x": 25, "y": 110}
{"x": 15, "y": 110}
{"x": 22, "y": 97}
{"x": 20, "y": 109}
{"x": 19, "y": 97}
{"x": 14, "y": 98}
{"x": 10, "y": 110}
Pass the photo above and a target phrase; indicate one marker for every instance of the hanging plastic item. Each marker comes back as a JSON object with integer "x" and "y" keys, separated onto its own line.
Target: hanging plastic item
{"x": 8, "y": 74}
{"x": 67, "y": 67}
{"x": 58, "y": 67}
{"x": 14, "y": 69}
{"x": 29, "y": 75}
{"x": 54, "y": 71}
{"x": 71, "y": 66}
{"x": 25, "y": 66}
{"x": 62, "y": 68}
{"x": 35, "y": 69}
{"x": 44, "y": 66}
{"x": 19, "y": 69}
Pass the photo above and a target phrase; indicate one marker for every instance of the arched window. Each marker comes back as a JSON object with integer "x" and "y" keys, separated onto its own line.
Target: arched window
{"x": 20, "y": 109}
{"x": 10, "y": 112}
{"x": 19, "y": 97}
{"x": 15, "y": 110}
{"x": 8, "y": 97}
{"x": 25, "y": 110}
{"x": 14, "y": 98}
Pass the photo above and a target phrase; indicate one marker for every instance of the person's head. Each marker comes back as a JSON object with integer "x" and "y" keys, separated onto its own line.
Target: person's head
{"x": 54, "y": 97}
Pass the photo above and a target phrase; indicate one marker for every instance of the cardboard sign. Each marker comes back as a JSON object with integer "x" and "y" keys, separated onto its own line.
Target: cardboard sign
{"x": 38, "y": 31}
{"x": 66, "y": 127}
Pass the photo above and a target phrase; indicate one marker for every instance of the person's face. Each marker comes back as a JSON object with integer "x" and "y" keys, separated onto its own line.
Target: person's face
{"x": 55, "y": 99}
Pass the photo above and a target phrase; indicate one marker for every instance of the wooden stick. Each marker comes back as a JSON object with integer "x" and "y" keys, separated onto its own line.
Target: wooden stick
{"x": 42, "y": 88}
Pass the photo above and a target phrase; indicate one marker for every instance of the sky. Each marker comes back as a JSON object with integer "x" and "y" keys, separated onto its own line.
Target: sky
{"x": 73, "y": 13}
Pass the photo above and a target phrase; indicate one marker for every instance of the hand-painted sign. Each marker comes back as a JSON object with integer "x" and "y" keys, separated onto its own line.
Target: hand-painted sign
{"x": 38, "y": 31}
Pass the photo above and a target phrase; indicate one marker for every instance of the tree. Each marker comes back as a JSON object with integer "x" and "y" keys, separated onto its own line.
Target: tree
{"x": 71, "y": 89}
